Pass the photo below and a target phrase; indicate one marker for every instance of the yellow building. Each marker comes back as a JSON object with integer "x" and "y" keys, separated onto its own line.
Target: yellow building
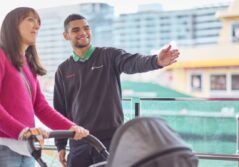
{"x": 211, "y": 71}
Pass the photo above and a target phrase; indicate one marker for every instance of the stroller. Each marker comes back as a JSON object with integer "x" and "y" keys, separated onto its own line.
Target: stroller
{"x": 142, "y": 142}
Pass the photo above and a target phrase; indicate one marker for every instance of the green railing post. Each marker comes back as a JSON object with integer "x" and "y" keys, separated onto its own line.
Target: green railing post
{"x": 237, "y": 127}
{"x": 135, "y": 101}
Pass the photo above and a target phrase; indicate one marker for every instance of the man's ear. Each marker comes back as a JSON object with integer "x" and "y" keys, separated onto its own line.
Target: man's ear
{"x": 65, "y": 34}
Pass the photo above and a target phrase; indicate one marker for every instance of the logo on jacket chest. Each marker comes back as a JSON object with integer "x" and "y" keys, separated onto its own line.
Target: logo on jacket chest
{"x": 95, "y": 67}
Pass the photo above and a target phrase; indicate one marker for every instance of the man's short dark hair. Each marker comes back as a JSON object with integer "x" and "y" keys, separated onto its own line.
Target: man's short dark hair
{"x": 72, "y": 17}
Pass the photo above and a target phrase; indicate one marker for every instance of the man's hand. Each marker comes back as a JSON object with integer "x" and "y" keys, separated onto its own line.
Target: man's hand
{"x": 167, "y": 56}
{"x": 62, "y": 157}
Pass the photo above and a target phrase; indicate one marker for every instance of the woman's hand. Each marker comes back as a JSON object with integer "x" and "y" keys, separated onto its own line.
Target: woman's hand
{"x": 39, "y": 133}
{"x": 27, "y": 132}
{"x": 80, "y": 132}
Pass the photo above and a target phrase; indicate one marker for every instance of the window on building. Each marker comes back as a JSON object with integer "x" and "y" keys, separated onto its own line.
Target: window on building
{"x": 196, "y": 82}
{"x": 235, "y": 82}
{"x": 218, "y": 82}
{"x": 235, "y": 32}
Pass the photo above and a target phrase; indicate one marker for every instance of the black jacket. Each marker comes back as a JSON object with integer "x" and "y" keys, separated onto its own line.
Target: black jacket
{"x": 89, "y": 93}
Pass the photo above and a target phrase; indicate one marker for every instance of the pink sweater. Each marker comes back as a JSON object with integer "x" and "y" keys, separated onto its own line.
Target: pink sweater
{"x": 17, "y": 107}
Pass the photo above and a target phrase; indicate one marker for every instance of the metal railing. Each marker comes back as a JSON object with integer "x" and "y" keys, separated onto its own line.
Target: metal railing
{"x": 136, "y": 103}
{"x": 223, "y": 157}
{"x": 227, "y": 157}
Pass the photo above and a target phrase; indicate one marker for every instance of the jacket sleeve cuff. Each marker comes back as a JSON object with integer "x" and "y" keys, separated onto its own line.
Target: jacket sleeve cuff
{"x": 60, "y": 144}
{"x": 155, "y": 62}
{"x": 22, "y": 134}
{"x": 59, "y": 148}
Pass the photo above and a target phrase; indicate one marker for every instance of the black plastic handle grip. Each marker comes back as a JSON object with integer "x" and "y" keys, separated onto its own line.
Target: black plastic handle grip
{"x": 61, "y": 134}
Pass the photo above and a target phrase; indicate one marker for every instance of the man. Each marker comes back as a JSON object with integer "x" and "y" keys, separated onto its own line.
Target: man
{"x": 88, "y": 91}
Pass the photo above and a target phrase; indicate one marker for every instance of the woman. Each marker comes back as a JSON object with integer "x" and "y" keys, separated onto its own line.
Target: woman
{"x": 20, "y": 93}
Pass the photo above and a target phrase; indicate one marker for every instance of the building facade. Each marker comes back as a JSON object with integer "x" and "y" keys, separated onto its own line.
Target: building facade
{"x": 149, "y": 30}
{"x": 212, "y": 70}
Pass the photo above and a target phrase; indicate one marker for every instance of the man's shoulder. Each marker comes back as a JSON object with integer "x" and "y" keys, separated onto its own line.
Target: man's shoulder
{"x": 107, "y": 50}
{"x": 66, "y": 62}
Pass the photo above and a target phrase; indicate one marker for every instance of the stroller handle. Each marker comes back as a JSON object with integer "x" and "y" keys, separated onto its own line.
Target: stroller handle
{"x": 64, "y": 134}
{"x": 90, "y": 139}
{"x": 61, "y": 134}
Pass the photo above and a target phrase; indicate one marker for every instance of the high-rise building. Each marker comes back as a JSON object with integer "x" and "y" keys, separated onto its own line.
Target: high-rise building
{"x": 137, "y": 32}
{"x": 148, "y": 30}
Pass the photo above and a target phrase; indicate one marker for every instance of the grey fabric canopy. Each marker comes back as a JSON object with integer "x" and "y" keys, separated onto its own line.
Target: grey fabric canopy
{"x": 149, "y": 142}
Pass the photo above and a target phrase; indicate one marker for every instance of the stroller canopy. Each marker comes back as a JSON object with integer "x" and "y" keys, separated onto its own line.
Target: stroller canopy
{"x": 149, "y": 142}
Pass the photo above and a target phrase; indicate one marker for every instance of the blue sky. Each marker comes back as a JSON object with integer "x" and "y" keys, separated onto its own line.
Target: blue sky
{"x": 121, "y": 6}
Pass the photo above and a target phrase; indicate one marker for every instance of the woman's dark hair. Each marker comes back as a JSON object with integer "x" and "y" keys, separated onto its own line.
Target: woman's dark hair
{"x": 10, "y": 40}
{"x": 70, "y": 18}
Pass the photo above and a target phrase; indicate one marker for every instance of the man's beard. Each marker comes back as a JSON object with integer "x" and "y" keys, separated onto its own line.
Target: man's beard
{"x": 78, "y": 45}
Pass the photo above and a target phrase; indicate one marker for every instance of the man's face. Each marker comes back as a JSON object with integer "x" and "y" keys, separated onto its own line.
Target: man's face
{"x": 79, "y": 33}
